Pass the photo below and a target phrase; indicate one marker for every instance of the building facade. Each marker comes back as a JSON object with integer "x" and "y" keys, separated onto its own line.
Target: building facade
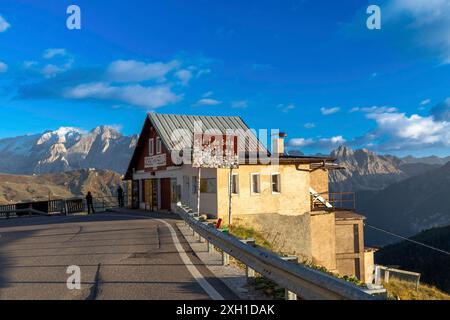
{"x": 274, "y": 192}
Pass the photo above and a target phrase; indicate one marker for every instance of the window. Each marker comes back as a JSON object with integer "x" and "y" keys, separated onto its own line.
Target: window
{"x": 234, "y": 183}
{"x": 256, "y": 183}
{"x": 276, "y": 183}
{"x": 158, "y": 145}
{"x": 208, "y": 185}
{"x": 151, "y": 150}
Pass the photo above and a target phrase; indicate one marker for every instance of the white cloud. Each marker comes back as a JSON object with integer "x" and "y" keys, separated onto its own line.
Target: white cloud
{"x": 207, "y": 102}
{"x": 310, "y": 125}
{"x": 428, "y": 21}
{"x": 324, "y": 143}
{"x": 332, "y": 142}
{"x": 137, "y": 71}
{"x": 398, "y": 131}
{"x": 29, "y": 64}
{"x": 148, "y": 97}
{"x": 202, "y": 72}
{"x": 300, "y": 142}
{"x": 329, "y": 111}
{"x": 374, "y": 109}
{"x": 207, "y": 94}
{"x": 286, "y": 108}
{"x": 184, "y": 76}
{"x": 51, "y": 70}
{"x": 4, "y": 25}
{"x": 54, "y": 52}
{"x": 3, "y": 67}
{"x": 425, "y": 102}
{"x": 240, "y": 104}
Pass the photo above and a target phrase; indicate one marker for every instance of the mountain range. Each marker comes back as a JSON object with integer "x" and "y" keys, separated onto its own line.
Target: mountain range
{"x": 366, "y": 170}
{"x": 21, "y": 188}
{"x": 66, "y": 149}
{"x": 407, "y": 207}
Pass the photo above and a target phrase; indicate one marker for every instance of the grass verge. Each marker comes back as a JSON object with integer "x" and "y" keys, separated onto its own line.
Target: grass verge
{"x": 402, "y": 290}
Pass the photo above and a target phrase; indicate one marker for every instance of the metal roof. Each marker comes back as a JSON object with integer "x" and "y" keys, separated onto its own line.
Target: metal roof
{"x": 167, "y": 125}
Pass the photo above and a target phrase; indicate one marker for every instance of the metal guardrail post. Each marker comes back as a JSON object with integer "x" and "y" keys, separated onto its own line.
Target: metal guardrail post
{"x": 249, "y": 272}
{"x": 209, "y": 246}
{"x": 225, "y": 259}
{"x": 289, "y": 295}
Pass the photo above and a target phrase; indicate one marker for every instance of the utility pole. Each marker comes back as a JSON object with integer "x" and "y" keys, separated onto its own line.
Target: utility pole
{"x": 230, "y": 195}
{"x": 198, "y": 189}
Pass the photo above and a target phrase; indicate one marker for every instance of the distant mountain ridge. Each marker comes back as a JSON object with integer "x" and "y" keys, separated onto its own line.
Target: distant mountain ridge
{"x": 20, "y": 188}
{"x": 66, "y": 149}
{"x": 427, "y": 160}
{"x": 366, "y": 170}
{"x": 407, "y": 207}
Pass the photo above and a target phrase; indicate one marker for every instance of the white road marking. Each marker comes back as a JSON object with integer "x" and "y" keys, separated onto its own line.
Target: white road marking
{"x": 209, "y": 289}
{"x": 190, "y": 266}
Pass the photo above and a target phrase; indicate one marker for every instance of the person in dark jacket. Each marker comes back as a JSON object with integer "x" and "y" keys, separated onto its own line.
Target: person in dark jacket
{"x": 120, "y": 196}
{"x": 90, "y": 203}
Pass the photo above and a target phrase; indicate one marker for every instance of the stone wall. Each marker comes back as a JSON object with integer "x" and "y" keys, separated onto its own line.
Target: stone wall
{"x": 287, "y": 234}
{"x": 309, "y": 237}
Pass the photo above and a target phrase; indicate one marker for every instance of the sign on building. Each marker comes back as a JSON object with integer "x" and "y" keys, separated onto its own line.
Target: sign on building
{"x": 215, "y": 151}
{"x": 156, "y": 161}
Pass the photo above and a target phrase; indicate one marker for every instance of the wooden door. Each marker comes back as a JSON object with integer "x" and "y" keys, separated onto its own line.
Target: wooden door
{"x": 165, "y": 194}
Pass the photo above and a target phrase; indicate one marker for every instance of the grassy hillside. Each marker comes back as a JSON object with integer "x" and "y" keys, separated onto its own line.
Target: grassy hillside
{"x": 433, "y": 266}
{"x": 401, "y": 290}
{"x": 19, "y": 188}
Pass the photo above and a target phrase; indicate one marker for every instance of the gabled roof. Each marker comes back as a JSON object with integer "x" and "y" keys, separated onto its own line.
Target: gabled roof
{"x": 248, "y": 145}
{"x": 166, "y": 124}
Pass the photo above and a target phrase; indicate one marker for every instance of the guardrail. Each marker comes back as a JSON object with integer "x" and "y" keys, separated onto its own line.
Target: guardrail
{"x": 59, "y": 206}
{"x": 384, "y": 274}
{"x": 299, "y": 279}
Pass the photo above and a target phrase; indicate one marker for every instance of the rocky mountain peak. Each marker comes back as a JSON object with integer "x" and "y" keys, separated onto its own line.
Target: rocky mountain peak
{"x": 106, "y": 131}
{"x": 67, "y": 148}
{"x": 61, "y": 135}
{"x": 342, "y": 152}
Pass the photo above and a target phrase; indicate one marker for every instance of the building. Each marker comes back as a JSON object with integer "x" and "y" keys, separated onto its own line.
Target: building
{"x": 279, "y": 194}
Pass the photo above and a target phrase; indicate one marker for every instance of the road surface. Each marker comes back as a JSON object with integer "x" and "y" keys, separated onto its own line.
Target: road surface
{"x": 121, "y": 256}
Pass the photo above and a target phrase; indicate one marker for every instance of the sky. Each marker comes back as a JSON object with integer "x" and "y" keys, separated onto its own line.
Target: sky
{"x": 312, "y": 69}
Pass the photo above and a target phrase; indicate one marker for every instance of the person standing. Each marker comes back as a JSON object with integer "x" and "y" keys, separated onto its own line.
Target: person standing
{"x": 90, "y": 203}
{"x": 120, "y": 196}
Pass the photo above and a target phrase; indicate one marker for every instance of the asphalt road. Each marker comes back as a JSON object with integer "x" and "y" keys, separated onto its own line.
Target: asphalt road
{"x": 121, "y": 256}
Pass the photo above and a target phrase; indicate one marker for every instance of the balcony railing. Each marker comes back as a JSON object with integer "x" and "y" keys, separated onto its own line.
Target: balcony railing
{"x": 338, "y": 201}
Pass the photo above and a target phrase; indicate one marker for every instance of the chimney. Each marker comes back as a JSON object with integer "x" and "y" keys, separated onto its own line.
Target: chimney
{"x": 278, "y": 143}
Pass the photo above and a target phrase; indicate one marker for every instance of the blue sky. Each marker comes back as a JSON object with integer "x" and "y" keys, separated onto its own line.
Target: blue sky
{"x": 309, "y": 68}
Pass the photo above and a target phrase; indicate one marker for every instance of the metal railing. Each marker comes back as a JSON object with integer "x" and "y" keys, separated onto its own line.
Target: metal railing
{"x": 339, "y": 200}
{"x": 383, "y": 274}
{"x": 58, "y": 206}
{"x": 299, "y": 279}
